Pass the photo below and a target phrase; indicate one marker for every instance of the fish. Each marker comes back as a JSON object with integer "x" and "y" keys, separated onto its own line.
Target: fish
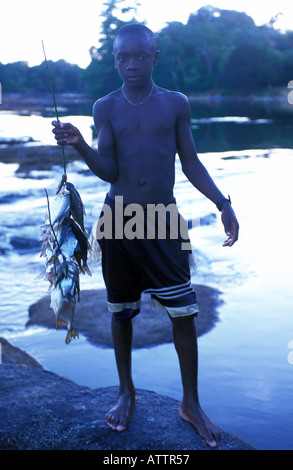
{"x": 77, "y": 207}
{"x": 60, "y": 206}
{"x": 81, "y": 253}
{"x": 62, "y": 182}
{"x": 65, "y": 248}
{"x": 67, "y": 276}
{"x": 69, "y": 244}
{"x": 64, "y": 311}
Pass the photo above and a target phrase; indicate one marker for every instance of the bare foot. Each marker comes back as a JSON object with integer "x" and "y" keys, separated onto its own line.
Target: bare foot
{"x": 118, "y": 417}
{"x": 202, "y": 424}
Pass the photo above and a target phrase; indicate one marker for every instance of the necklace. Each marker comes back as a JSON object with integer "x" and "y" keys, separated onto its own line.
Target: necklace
{"x": 141, "y": 102}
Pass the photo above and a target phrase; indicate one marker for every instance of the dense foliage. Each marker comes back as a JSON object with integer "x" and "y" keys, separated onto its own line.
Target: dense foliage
{"x": 217, "y": 50}
{"x": 18, "y": 77}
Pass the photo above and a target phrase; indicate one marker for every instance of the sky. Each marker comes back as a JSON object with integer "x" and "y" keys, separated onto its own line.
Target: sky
{"x": 69, "y": 28}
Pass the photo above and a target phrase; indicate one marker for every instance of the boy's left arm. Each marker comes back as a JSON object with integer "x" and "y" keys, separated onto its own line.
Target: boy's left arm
{"x": 197, "y": 174}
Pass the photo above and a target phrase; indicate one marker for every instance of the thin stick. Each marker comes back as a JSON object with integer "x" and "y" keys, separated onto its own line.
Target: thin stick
{"x": 55, "y": 106}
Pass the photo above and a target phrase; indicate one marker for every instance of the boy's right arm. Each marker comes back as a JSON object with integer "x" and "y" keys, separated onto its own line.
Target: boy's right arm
{"x": 102, "y": 162}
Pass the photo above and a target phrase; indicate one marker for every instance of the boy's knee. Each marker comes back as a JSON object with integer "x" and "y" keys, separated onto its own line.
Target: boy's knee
{"x": 125, "y": 315}
{"x": 183, "y": 320}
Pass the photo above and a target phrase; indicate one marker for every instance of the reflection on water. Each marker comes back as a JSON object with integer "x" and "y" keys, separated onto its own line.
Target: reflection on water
{"x": 240, "y": 125}
{"x": 217, "y": 125}
{"x": 244, "y": 373}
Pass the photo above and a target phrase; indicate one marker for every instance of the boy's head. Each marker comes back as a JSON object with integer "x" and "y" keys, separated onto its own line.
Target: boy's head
{"x": 135, "y": 30}
{"x": 135, "y": 53}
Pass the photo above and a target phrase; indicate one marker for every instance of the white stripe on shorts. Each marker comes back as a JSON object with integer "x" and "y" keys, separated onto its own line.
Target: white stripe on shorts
{"x": 171, "y": 292}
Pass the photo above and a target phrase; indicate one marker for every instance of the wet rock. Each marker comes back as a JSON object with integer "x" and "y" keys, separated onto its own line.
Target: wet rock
{"x": 41, "y": 411}
{"x": 151, "y": 327}
{"x": 15, "y": 141}
{"x": 208, "y": 219}
{"x": 37, "y": 158}
{"x": 11, "y": 355}
{"x": 24, "y": 244}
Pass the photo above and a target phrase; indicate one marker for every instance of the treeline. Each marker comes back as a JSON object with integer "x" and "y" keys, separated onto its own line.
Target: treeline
{"x": 224, "y": 50}
{"x": 217, "y": 50}
{"x": 18, "y": 77}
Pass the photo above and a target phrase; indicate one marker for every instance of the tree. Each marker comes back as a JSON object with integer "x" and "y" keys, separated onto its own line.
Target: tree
{"x": 100, "y": 75}
{"x": 13, "y": 77}
{"x": 172, "y": 70}
{"x": 18, "y": 77}
{"x": 222, "y": 50}
{"x": 250, "y": 67}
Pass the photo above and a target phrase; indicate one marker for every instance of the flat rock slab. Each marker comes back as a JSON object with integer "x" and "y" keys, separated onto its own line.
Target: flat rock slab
{"x": 42, "y": 411}
{"x": 151, "y": 327}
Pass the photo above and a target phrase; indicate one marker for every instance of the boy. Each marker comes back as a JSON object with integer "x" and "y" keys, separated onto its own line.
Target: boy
{"x": 140, "y": 129}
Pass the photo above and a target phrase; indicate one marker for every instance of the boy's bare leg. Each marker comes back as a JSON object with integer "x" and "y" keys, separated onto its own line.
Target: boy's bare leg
{"x": 185, "y": 341}
{"x": 118, "y": 417}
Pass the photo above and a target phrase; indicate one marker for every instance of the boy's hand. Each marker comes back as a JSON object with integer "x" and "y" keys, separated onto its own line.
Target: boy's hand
{"x": 66, "y": 134}
{"x": 231, "y": 225}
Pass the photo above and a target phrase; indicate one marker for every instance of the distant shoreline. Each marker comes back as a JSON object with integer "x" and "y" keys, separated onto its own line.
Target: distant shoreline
{"x": 36, "y": 101}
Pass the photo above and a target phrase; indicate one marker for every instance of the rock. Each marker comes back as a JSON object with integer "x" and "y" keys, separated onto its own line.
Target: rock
{"x": 208, "y": 219}
{"x": 15, "y": 140}
{"x": 13, "y": 355}
{"x": 41, "y": 411}
{"x": 37, "y": 158}
{"x": 25, "y": 244}
{"x": 151, "y": 327}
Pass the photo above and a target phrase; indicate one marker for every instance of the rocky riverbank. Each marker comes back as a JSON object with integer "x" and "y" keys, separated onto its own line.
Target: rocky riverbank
{"x": 41, "y": 411}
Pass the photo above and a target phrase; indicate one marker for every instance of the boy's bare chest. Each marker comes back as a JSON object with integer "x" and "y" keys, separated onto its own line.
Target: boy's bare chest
{"x": 143, "y": 121}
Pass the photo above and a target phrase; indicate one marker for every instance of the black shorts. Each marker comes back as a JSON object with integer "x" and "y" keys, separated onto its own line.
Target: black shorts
{"x": 145, "y": 260}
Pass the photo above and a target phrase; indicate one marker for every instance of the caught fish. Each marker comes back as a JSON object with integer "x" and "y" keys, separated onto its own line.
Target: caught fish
{"x": 69, "y": 244}
{"x": 65, "y": 247}
{"x": 60, "y": 206}
{"x": 67, "y": 277}
{"x": 81, "y": 252}
{"x": 62, "y": 182}
{"x": 64, "y": 311}
{"x": 77, "y": 207}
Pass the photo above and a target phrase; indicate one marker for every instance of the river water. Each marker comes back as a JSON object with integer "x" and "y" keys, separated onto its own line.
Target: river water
{"x": 246, "y": 360}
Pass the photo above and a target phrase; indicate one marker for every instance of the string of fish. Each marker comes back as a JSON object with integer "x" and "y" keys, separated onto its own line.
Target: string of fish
{"x": 65, "y": 248}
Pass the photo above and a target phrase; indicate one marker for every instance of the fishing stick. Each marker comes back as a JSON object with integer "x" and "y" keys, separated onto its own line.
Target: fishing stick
{"x": 55, "y": 106}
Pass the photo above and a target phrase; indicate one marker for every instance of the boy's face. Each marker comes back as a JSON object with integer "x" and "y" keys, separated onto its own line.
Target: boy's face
{"x": 135, "y": 56}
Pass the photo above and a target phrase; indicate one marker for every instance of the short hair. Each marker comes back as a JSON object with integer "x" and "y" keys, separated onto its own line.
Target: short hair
{"x": 136, "y": 28}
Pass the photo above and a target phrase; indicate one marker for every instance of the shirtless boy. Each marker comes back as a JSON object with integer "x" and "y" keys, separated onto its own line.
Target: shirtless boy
{"x": 140, "y": 129}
